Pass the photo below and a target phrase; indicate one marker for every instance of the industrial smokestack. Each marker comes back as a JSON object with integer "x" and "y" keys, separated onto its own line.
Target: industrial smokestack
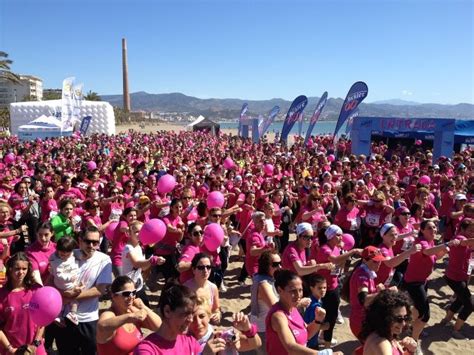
{"x": 126, "y": 95}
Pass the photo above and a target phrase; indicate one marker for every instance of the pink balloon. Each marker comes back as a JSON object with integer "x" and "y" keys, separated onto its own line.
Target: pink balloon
{"x": 425, "y": 180}
{"x": 213, "y": 236}
{"x": 9, "y": 158}
{"x": 146, "y": 139}
{"x": 45, "y": 305}
{"x": 331, "y": 157}
{"x": 193, "y": 215}
{"x": 418, "y": 142}
{"x": 348, "y": 241}
{"x": 109, "y": 231}
{"x": 190, "y": 143}
{"x": 215, "y": 199}
{"x": 268, "y": 169}
{"x": 228, "y": 163}
{"x": 128, "y": 140}
{"x": 91, "y": 165}
{"x": 166, "y": 183}
{"x": 327, "y": 168}
{"x": 152, "y": 231}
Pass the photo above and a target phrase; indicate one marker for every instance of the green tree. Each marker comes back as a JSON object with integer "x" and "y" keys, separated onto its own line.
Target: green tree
{"x": 121, "y": 117}
{"x": 4, "y": 117}
{"x": 92, "y": 96}
{"x": 51, "y": 95}
{"x": 5, "y": 72}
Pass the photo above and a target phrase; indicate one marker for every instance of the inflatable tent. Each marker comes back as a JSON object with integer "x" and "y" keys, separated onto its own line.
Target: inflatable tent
{"x": 102, "y": 113}
{"x": 43, "y": 127}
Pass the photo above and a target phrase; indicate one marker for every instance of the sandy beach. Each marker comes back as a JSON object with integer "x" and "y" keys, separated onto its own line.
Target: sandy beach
{"x": 438, "y": 340}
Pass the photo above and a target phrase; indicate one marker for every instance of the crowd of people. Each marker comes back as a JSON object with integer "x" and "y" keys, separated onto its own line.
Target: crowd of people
{"x": 312, "y": 225}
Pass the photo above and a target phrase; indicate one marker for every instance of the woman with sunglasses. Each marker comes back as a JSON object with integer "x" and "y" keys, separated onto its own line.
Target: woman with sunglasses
{"x": 387, "y": 317}
{"x": 119, "y": 329}
{"x": 201, "y": 267}
{"x": 220, "y": 256}
{"x": 195, "y": 238}
{"x": 177, "y": 304}
{"x": 420, "y": 267}
{"x": 286, "y": 331}
{"x": 263, "y": 292}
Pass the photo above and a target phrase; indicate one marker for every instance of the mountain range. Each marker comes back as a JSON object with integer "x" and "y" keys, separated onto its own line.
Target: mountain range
{"x": 230, "y": 108}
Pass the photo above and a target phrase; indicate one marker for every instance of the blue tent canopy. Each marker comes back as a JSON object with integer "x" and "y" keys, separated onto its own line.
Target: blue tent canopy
{"x": 463, "y": 133}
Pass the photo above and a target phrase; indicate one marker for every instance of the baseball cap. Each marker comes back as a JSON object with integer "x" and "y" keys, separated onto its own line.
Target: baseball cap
{"x": 372, "y": 253}
{"x": 401, "y": 210}
{"x": 303, "y": 228}
{"x": 460, "y": 197}
{"x": 346, "y": 160}
{"x": 332, "y": 231}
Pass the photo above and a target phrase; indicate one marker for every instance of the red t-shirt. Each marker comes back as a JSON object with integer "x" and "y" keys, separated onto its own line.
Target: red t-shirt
{"x": 39, "y": 258}
{"x": 361, "y": 278}
{"x": 385, "y": 273}
{"x": 420, "y": 266}
{"x": 251, "y": 262}
{"x": 461, "y": 261}
{"x": 323, "y": 257}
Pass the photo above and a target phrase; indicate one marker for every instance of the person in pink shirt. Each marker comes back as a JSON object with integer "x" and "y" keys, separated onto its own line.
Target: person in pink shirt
{"x": 187, "y": 254}
{"x": 256, "y": 243}
{"x": 362, "y": 288}
{"x": 376, "y": 213}
{"x": 420, "y": 267}
{"x": 348, "y": 217}
{"x": 294, "y": 256}
{"x": 176, "y": 306}
{"x": 460, "y": 268}
{"x": 286, "y": 331}
{"x": 40, "y": 251}
{"x": 120, "y": 239}
{"x": 49, "y": 206}
{"x": 454, "y": 217}
{"x": 17, "y": 329}
{"x": 387, "y": 238}
{"x": 330, "y": 252}
{"x": 313, "y": 212}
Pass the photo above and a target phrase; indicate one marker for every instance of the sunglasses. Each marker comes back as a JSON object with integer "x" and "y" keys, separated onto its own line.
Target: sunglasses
{"x": 406, "y": 214}
{"x": 204, "y": 267}
{"x": 197, "y": 233}
{"x": 126, "y": 294}
{"x": 186, "y": 197}
{"x": 377, "y": 201}
{"x": 216, "y": 215}
{"x": 276, "y": 264}
{"x": 400, "y": 319}
{"x": 93, "y": 242}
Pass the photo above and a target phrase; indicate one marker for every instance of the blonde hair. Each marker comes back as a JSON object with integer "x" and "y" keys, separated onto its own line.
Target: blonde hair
{"x": 6, "y": 205}
{"x": 135, "y": 225}
{"x": 203, "y": 302}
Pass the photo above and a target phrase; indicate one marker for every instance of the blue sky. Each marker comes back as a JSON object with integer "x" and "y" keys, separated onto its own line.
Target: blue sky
{"x": 418, "y": 50}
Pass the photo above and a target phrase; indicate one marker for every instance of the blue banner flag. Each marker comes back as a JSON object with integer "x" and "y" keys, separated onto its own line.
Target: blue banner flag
{"x": 267, "y": 122}
{"x": 317, "y": 112}
{"x": 293, "y": 115}
{"x": 350, "y": 120}
{"x": 357, "y": 93}
{"x": 243, "y": 111}
{"x": 86, "y": 121}
{"x": 300, "y": 123}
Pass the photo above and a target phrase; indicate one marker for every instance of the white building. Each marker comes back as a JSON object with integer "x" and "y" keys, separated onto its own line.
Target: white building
{"x": 29, "y": 88}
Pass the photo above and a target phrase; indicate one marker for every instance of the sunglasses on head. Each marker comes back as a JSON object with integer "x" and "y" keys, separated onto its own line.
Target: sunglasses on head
{"x": 93, "y": 242}
{"x": 276, "y": 264}
{"x": 197, "y": 233}
{"x": 126, "y": 293}
{"x": 204, "y": 267}
{"x": 401, "y": 319}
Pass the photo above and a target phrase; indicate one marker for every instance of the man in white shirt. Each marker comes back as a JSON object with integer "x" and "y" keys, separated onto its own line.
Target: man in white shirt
{"x": 95, "y": 275}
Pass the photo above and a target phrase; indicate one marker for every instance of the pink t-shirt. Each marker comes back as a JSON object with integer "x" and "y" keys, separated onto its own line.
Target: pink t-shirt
{"x": 420, "y": 266}
{"x": 360, "y": 278}
{"x": 374, "y": 216}
{"x": 156, "y": 345}
{"x": 385, "y": 273}
{"x": 405, "y": 243}
{"x": 15, "y": 319}
{"x": 461, "y": 261}
{"x": 251, "y": 262}
{"x": 187, "y": 255}
{"x": 118, "y": 243}
{"x": 297, "y": 327}
{"x": 292, "y": 254}
{"x": 39, "y": 258}
{"x": 322, "y": 256}
{"x": 346, "y": 219}
{"x": 47, "y": 206}
{"x": 167, "y": 245}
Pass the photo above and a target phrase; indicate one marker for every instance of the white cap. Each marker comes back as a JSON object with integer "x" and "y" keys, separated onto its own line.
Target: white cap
{"x": 460, "y": 197}
{"x": 303, "y": 227}
{"x": 332, "y": 231}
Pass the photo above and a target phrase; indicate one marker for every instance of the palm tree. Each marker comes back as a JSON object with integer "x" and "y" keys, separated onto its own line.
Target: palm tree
{"x": 92, "y": 96}
{"x": 5, "y": 73}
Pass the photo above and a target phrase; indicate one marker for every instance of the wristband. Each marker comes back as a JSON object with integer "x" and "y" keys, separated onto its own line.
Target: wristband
{"x": 318, "y": 322}
{"x": 251, "y": 332}
{"x": 36, "y": 343}
{"x": 10, "y": 348}
{"x": 153, "y": 260}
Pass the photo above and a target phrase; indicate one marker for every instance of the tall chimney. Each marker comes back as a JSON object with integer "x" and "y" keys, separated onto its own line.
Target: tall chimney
{"x": 126, "y": 95}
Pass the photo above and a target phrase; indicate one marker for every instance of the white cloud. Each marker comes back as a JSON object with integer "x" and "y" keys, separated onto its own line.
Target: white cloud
{"x": 407, "y": 93}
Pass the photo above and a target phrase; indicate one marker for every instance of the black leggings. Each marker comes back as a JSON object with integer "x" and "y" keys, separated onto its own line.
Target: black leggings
{"x": 463, "y": 298}
{"x": 418, "y": 292}
{"x": 331, "y": 305}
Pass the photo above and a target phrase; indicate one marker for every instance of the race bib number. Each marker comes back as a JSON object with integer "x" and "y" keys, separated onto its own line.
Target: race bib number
{"x": 470, "y": 266}
{"x": 389, "y": 278}
{"x": 407, "y": 243}
{"x": 354, "y": 224}
{"x": 115, "y": 214}
{"x": 372, "y": 219}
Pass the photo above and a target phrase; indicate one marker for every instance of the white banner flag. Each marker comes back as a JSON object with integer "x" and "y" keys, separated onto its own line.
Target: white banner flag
{"x": 67, "y": 108}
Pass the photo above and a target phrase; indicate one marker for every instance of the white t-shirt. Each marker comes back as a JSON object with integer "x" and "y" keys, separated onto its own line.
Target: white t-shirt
{"x": 65, "y": 273}
{"x": 127, "y": 267}
{"x": 93, "y": 271}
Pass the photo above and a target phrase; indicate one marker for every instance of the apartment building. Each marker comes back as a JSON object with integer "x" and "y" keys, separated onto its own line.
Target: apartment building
{"x": 29, "y": 88}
